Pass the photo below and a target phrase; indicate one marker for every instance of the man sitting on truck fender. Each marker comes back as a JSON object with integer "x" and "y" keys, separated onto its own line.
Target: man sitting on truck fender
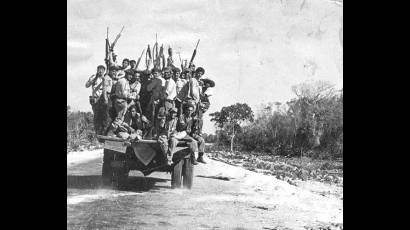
{"x": 166, "y": 129}
{"x": 184, "y": 126}
{"x": 196, "y": 133}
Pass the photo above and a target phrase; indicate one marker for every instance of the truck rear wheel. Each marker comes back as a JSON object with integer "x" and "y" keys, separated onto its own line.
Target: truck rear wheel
{"x": 120, "y": 177}
{"x": 187, "y": 173}
{"x": 176, "y": 175}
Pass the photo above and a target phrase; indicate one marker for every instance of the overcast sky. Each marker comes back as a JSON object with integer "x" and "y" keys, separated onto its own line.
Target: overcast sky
{"x": 254, "y": 50}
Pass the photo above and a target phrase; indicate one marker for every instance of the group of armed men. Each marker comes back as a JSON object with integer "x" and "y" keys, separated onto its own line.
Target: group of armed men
{"x": 165, "y": 104}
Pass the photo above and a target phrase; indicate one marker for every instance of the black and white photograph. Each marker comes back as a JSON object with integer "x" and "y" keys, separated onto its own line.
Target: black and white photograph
{"x": 206, "y": 114}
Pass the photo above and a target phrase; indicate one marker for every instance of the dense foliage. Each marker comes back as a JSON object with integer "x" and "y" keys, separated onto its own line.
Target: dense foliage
{"x": 309, "y": 125}
{"x": 80, "y": 129}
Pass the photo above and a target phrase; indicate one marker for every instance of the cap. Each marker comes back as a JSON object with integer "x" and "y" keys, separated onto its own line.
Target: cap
{"x": 200, "y": 69}
{"x": 176, "y": 70}
{"x": 173, "y": 110}
{"x": 100, "y": 66}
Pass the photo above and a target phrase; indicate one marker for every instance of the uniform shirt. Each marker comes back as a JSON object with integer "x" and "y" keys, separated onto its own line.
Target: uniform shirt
{"x": 122, "y": 89}
{"x": 180, "y": 84}
{"x": 135, "y": 89}
{"x": 183, "y": 93}
{"x": 208, "y": 92}
{"x": 185, "y": 123}
{"x": 156, "y": 86}
{"x": 194, "y": 90}
{"x": 170, "y": 89}
{"x": 98, "y": 84}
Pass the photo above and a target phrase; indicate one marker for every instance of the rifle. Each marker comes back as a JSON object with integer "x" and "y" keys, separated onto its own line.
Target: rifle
{"x": 161, "y": 56}
{"x": 107, "y": 51}
{"x": 170, "y": 62}
{"x": 148, "y": 60}
{"x": 156, "y": 51}
{"x": 139, "y": 59}
{"x": 116, "y": 38}
{"x": 163, "y": 61}
{"x": 193, "y": 54}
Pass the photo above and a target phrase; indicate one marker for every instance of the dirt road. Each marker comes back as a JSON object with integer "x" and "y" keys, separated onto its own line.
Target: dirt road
{"x": 222, "y": 197}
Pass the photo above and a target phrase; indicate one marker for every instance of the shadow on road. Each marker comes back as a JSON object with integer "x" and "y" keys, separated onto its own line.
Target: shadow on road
{"x": 217, "y": 177}
{"x": 134, "y": 183}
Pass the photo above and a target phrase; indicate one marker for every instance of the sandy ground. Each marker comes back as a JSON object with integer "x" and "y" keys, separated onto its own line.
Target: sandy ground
{"x": 222, "y": 197}
{"x": 75, "y": 158}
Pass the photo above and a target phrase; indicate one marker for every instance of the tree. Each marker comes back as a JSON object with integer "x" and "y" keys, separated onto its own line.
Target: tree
{"x": 313, "y": 105}
{"x": 231, "y": 118}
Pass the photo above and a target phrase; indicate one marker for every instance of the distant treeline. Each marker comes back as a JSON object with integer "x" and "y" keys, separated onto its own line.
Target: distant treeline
{"x": 309, "y": 125}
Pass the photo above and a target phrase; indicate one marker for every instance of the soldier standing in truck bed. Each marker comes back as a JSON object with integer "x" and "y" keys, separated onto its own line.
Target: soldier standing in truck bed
{"x": 135, "y": 88}
{"x": 184, "y": 129}
{"x": 100, "y": 84}
{"x": 121, "y": 93}
{"x": 169, "y": 90}
{"x": 156, "y": 87}
{"x": 194, "y": 87}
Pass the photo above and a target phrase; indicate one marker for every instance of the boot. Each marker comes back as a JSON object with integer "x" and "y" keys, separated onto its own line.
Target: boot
{"x": 193, "y": 160}
{"x": 201, "y": 158}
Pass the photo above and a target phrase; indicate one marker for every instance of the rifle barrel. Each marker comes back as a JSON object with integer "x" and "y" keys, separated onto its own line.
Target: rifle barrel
{"x": 118, "y": 36}
{"x": 196, "y": 47}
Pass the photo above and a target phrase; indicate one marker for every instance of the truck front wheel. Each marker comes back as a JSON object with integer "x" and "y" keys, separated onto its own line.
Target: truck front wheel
{"x": 176, "y": 174}
{"x": 187, "y": 173}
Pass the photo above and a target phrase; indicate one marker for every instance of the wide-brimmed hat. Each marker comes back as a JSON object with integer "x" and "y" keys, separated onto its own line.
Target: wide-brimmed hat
{"x": 208, "y": 81}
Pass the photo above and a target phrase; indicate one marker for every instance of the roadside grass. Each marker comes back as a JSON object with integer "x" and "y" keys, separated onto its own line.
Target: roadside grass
{"x": 82, "y": 144}
{"x": 284, "y": 168}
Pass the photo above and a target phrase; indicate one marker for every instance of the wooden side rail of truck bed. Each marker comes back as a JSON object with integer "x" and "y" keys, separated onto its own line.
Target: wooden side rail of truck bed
{"x": 107, "y": 138}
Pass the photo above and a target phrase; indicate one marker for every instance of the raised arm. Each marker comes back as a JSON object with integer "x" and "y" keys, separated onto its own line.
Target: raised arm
{"x": 90, "y": 81}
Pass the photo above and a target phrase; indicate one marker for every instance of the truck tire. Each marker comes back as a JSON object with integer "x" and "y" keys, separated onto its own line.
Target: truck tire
{"x": 187, "y": 173}
{"x": 107, "y": 171}
{"x": 120, "y": 177}
{"x": 176, "y": 175}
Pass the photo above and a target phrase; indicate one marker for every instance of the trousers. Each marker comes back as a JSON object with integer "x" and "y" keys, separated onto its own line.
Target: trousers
{"x": 101, "y": 118}
{"x": 201, "y": 143}
{"x": 193, "y": 145}
{"x": 120, "y": 106}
